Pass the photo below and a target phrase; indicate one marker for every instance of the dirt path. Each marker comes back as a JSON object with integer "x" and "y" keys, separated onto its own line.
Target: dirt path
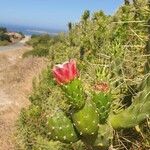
{"x": 16, "y": 76}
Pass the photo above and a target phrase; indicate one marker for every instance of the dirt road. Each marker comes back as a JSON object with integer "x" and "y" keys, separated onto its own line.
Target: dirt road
{"x": 16, "y": 76}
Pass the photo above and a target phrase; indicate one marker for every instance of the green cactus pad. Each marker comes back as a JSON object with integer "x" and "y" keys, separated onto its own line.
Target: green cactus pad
{"x": 103, "y": 103}
{"x": 75, "y": 94}
{"x": 136, "y": 112}
{"x": 61, "y": 128}
{"x": 104, "y": 137}
{"x": 86, "y": 120}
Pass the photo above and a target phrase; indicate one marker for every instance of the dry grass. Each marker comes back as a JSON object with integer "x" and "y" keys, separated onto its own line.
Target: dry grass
{"x": 15, "y": 84}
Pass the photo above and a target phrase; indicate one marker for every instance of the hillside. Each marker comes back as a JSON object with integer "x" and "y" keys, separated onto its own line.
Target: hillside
{"x": 95, "y": 91}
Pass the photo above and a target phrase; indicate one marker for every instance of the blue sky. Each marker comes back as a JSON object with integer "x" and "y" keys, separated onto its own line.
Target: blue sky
{"x": 51, "y": 13}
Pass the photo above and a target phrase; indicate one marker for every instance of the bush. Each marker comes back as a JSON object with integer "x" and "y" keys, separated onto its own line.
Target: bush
{"x": 37, "y": 52}
{"x": 3, "y": 30}
{"x": 41, "y": 45}
{"x": 4, "y": 43}
{"x": 4, "y": 37}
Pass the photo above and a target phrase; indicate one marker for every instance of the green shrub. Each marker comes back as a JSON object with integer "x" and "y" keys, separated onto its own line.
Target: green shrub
{"x": 3, "y": 30}
{"x": 4, "y": 43}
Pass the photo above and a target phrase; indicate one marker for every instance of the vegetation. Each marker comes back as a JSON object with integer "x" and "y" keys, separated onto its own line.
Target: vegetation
{"x": 41, "y": 45}
{"x": 111, "y": 51}
{"x": 4, "y": 38}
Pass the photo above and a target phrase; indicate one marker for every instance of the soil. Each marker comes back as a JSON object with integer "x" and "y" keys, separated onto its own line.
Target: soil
{"x": 16, "y": 76}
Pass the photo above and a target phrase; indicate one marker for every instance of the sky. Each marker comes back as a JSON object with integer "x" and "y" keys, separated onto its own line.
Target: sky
{"x": 51, "y": 13}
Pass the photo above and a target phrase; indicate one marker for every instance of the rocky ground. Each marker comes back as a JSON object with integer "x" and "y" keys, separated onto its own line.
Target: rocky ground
{"x": 16, "y": 76}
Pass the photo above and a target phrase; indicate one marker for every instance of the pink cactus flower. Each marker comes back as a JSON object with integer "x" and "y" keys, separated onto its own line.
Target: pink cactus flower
{"x": 66, "y": 72}
{"x": 103, "y": 87}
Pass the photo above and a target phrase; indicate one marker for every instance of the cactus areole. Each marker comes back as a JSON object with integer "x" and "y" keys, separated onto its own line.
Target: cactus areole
{"x": 66, "y": 72}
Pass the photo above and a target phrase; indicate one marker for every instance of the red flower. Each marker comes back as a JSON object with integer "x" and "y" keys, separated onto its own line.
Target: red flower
{"x": 103, "y": 87}
{"x": 66, "y": 72}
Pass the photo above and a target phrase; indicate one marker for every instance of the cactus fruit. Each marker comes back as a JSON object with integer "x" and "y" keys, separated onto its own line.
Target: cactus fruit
{"x": 103, "y": 103}
{"x": 61, "y": 128}
{"x": 86, "y": 120}
{"x": 75, "y": 94}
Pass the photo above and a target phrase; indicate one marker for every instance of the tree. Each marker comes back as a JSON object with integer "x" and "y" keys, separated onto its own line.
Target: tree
{"x": 69, "y": 26}
{"x": 86, "y": 15}
{"x": 126, "y": 2}
{"x": 3, "y": 30}
{"x": 4, "y": 37}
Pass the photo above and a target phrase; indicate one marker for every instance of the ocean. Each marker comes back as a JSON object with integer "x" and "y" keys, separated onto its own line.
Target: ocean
{"x": 27, "y": 30}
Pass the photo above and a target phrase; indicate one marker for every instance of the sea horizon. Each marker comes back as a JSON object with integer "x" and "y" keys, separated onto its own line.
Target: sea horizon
{"x": 31, "y": 30}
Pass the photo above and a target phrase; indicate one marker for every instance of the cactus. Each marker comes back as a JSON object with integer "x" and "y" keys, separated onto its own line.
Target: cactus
{"x": 86, "y": 120}
{"x": 138, "y": 110}
{"x": 66, "y": 75}
{"x": 104, "y": 137}
{"x": 75, "y": 94}
{"x": 61, "y": 128}
{"x": 103, "y": 103}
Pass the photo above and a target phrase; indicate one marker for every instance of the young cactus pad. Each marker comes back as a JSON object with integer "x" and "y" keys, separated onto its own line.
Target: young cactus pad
{"x": 66, "y": 75}
{"x": 75, "y": 94}
{"x": 103, "y": 103}
{"x": 61, "y": 128}
{"x": 86, "y": 120}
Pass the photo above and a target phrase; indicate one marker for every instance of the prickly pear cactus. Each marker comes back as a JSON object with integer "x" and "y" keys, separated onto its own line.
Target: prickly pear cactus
{"x": 86, "y": 120}
{"x": 138, "y": 111}
{"x": 74, "y": 94}
{"x": 61, "y": 128}
{"x": 104, "y": 137}
{"x": 103, "y": 103}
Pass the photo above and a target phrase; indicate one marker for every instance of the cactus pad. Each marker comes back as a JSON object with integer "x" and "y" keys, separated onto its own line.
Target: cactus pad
{"x": 104, "y": 137}
{"x": 103, "y": 103}
{"x": 61, "y": 128}
{"x": 75, "y": 94}
{"x": 86, "y": 120}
